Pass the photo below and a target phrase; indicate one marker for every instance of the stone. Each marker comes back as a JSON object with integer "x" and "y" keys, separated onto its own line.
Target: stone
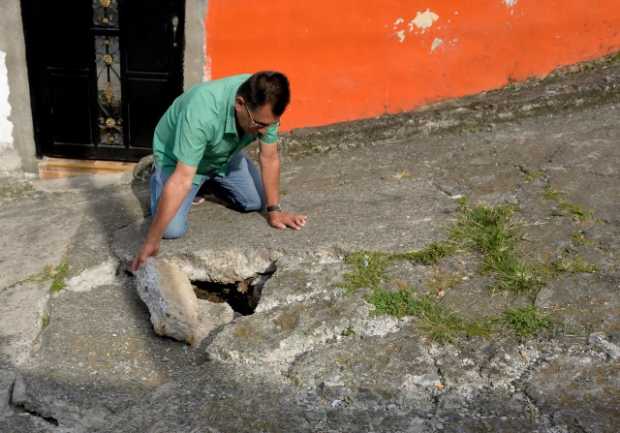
{"x": 174, "y": 307}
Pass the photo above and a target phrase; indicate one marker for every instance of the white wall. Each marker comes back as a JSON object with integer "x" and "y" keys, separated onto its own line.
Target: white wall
{"x": 6, "y": 127}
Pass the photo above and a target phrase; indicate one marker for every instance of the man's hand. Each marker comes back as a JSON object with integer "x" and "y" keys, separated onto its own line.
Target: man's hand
{"x": 282, "y": 220}
{"x": 149, "y": 249}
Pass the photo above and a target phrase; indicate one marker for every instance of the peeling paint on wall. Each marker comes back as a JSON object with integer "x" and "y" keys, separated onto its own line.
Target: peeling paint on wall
{"x": 437, "y": 42}
{"x": 400, "y": 34}
{"x": 423, "y": 20}
{"x": 510, "y": 3}
{"x": 418, "y": 25}
{"x": 6, "y": 127}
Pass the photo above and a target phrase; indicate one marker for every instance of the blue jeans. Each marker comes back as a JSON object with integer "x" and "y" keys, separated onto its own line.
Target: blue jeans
{"x": 242, "y": 187}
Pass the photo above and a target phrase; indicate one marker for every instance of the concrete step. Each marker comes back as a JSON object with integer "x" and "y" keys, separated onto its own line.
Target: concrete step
{"x": 53, "y": 168}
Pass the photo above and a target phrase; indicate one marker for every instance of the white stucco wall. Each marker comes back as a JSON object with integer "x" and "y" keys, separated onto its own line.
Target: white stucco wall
{"x": 6, "y": 127}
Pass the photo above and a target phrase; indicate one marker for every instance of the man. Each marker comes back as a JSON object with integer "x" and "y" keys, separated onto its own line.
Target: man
{"x": 201, "y": 136}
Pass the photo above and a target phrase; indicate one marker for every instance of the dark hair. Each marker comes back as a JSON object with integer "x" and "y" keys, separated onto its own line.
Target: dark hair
{"x": 266, "y": 87}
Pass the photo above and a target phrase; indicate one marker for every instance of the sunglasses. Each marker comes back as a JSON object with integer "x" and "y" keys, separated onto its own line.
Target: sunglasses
{"x": 256, "y": 124}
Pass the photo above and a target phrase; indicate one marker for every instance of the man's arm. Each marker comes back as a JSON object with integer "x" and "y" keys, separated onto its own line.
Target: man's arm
{"x": 175, "y": 190}
{"x": 270, "y": 170}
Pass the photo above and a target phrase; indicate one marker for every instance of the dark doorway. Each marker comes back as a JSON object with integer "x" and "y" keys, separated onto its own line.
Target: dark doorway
{"x": 102, "y": 72}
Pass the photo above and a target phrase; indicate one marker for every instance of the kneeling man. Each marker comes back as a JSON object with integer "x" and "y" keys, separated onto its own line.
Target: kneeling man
{"x": 201, "y": 137}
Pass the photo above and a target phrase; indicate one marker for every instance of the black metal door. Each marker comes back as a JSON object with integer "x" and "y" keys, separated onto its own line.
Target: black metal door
{"x": 102, "y": 72}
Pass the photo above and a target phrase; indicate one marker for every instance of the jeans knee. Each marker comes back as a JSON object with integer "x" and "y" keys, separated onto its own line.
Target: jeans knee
{"x": 250, "y": 205}
{"x": 175, "y": 231}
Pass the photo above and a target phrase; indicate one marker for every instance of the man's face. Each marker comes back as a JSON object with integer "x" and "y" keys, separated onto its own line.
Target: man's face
{"x": 254, "y": 121}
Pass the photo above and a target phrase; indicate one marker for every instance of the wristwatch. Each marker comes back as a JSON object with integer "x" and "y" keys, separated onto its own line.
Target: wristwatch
{"x": 274, "y": 208}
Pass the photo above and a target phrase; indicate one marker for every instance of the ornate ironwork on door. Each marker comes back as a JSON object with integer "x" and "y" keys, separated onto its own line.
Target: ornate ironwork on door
{"x": 105, "y": 13}
{"x": 109, "y": 120}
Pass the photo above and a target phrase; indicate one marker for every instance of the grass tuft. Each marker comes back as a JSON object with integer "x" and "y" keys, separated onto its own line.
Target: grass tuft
{"x": 526, "y": 321}
{"x": 489, "y": 231}
{"x": 368, "y": 270}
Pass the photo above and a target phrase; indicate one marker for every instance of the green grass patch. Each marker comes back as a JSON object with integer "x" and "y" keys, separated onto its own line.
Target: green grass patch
{"x": 486, "y": 229}
{"x": 489, "y": 231}
{"x": 368, "y": 267}
{"x": 59, "y": 274}
{"x": 526, "y": 321}
{"x": 435, "y": 319}
{"x": 368, "y": 270}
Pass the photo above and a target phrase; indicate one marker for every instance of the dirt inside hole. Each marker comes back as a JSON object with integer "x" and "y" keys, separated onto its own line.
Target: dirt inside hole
{"x": 243, "y": 296}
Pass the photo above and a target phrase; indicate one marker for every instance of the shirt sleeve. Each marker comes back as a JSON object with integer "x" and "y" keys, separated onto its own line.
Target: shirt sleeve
{"x": 191, "y": 137}
{"x": 270, "y": 136}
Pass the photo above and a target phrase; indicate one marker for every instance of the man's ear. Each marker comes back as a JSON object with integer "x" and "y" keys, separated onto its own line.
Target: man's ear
{"x": 239, "y": 102}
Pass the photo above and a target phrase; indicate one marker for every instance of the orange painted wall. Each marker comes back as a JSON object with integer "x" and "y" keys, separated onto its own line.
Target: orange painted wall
{"x": 351, "y": 59}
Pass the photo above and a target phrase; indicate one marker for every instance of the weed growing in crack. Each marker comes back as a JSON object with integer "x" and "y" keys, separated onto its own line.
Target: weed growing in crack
{"x": 59, "y": 274}
{"x": 576, "y": 211}
{"x": 566, "y": 207}
{"x": 526, "y": 321}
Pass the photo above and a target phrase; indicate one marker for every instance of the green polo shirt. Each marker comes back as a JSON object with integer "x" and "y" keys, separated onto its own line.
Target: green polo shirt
{"x": 199, "y": 129}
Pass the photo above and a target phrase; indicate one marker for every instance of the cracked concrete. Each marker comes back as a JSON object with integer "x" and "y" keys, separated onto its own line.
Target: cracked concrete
{"x": 314, "y": 357}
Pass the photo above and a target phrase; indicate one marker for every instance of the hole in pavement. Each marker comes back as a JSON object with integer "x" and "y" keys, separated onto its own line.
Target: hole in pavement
{"x": 242, "y": 296}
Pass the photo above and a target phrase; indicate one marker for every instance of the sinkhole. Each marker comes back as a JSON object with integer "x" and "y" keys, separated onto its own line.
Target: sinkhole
{"x": 242, "y": 296}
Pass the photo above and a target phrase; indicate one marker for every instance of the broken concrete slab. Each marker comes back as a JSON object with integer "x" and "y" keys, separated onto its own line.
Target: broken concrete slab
{"x": 302, "y": 278}
{"x": 174, "y": 307}
{"x": 270, "y": 341}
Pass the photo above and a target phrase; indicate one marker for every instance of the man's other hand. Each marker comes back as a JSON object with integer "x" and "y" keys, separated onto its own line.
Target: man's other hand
{"x": 149, "y": 249}
{"x": 282, "y": 220}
